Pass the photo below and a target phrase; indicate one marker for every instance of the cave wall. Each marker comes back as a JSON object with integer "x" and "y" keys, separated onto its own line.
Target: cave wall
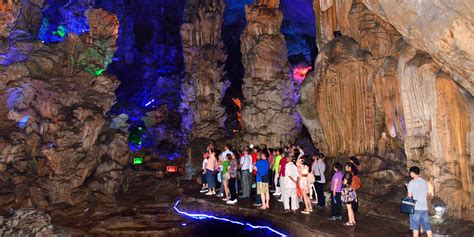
{"x": 56, "y": 144}
{"x": 268, "y": 112}
{"x": 203, "y": 86}
{"x": 390, "y": 102}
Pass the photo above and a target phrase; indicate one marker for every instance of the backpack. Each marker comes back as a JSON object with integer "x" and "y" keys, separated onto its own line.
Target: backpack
{"x": 356, "y": 183}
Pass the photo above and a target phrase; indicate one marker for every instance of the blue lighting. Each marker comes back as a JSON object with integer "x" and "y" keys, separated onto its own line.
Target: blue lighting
{"x": 23, "y": 121}
{"x": 205, "y": 216}
{"x": 149, "y": 102}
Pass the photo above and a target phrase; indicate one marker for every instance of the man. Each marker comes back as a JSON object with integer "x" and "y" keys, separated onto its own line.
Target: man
{"x": 276, "y": 171}
{"x": 291, "y": 176}
{"x": 418, "y": 189}
{"x": 245, "y": 169}
{"x": 318, "y": 169}
{"x": 222, "y": 158}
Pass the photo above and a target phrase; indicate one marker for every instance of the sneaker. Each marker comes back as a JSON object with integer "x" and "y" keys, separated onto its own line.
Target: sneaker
{"x": 219, "y": 195}
{"x": 204, "y": 190}
{"x": 339, "y": 217}
{"x": 232, "y": 202}
{"x": 257, "y": 204}
{"x": 209, "y": 193}
{"x": 314, "y": 202}
{"x": 276, "y": 194}
{"x": 305, "y": 212}
{"x": 332, "y": 218}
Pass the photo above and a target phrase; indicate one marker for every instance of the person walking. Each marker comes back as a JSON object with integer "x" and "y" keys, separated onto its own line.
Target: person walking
{"x": 418, "y": 189}
{"x": 245, "y": 169}
{"x": 336, "y": 187}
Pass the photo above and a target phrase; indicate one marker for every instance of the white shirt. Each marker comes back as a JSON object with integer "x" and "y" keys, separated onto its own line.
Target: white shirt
{"x": 246, "y": 162}
{"x": 204, "y": 165}
{"x": 318, "y": 169}
{"x": 290, "y": 170}
{"x": 224, "y": 154}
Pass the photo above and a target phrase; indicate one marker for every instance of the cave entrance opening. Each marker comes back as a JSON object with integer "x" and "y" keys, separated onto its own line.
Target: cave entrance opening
{"x": 299, "y": 29}
{"x": 232, "y": 28}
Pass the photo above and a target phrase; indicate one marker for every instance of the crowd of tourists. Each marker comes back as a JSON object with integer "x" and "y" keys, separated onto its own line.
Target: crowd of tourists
{"x": 295, "y": 178}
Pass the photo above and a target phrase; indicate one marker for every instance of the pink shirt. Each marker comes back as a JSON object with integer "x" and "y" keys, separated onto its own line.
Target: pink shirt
{"x": 211, "y": 163}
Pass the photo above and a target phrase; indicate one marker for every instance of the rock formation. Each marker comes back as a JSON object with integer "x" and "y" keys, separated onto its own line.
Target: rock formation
{"x": 381, "y": 99}
{"x": 204, "y": 56}
{"x": 55, "y": 143}
{"x": 26, "y": 223}
{"x": 268, "y": 111}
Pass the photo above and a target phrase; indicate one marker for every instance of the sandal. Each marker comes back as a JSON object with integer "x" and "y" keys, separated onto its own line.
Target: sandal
{"x": 261, "y": 208}
{"x": 348, "y": 224}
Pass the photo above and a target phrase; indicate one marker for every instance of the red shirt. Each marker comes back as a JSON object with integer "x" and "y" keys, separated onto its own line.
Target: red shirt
{"x": 254, "y": 160}
{"x": 282, "y": 166}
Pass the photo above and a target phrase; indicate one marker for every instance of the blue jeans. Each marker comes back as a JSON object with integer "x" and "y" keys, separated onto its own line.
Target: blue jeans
{"x": 420, "y": 218}
{"x": 211, "y": 180}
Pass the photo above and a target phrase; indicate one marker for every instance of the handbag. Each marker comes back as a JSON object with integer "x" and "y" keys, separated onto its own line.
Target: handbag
{"x": 408, "y": 205}
{"x": 299, "y": 192}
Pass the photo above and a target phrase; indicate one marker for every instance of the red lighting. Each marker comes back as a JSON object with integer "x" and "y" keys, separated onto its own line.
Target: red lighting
{"x": 299, "y": 73}
{"x": 171, "y": 169}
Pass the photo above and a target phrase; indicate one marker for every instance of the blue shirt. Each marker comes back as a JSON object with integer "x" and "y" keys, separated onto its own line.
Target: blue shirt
{"x": 262, "y": 169}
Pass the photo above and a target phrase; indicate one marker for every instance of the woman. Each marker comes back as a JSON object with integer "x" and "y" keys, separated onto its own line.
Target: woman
{"x": 226, "y": 177}
{"x": 232, "y": 182}
{"x": 210, "y": 172}
{"x": 336, "y": 187}
{"x": 262, "y": 166}
{"x": 318, "y": 170}
{"x": 205, "y": 188}
{"x": 303, "y": 171}
{"x": 349, "y": 196}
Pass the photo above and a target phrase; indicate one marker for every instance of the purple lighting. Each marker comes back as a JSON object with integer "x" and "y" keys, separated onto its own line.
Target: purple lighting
{"x": 205, "y": 216}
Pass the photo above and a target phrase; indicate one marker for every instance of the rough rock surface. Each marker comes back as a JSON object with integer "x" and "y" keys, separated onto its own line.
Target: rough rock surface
{"x": 443, "y": 29}
{"x": 55, "y": 143}
{"x": 26, "y": 223}
{"x": 380, "y": 98}
{"x": 202, "y": 87}
{"x": 268, "y": 112}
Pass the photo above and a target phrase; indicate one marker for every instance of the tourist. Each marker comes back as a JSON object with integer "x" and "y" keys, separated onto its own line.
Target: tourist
{"x": 355, "y": 161}
{"x": 255, "y": 157}
{"x": 232, "y": 171}
{"x": 303, "y": 171}
{"x": 289, "y": 189}
{"x": 281, "y": 174}
{"x": 318, "y": 169}
{"x": 276, "y": 171}
{"x": 226, "y": 177}
{"x": 263, "y": 178}
{"x": 211, "y": 168}
{"x": 245, "y": 169}
{"x": 349, "y": 195}
{"x": 222, "y": 158}
{"x": 205, "y": 157}
{"x": 418, "y": 189}
{"x": 336, "y": 187}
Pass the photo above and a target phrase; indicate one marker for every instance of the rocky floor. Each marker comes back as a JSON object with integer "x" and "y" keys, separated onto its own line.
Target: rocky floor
{"x": 144, "y": 207}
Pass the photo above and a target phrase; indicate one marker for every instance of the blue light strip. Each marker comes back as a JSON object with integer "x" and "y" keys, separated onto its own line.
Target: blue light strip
{"x": 149, "y": 102}
{"x": 205, "y": 216}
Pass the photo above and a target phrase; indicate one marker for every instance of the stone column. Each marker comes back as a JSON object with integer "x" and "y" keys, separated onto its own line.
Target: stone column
{"x": 203, "y": 87}
{"x": 268, "y": 112}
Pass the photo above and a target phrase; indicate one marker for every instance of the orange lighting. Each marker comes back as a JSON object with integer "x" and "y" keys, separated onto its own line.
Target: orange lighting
{"x": 299, "y": 73}
{"x": 171, "y": 169}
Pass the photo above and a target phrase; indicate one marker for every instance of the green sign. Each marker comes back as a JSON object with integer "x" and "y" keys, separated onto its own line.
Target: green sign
{"x": 137, "y": 161}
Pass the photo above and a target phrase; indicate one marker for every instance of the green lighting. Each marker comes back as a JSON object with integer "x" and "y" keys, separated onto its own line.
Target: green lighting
{"x": 140, "y": 128}
{"x": 99, "y": 72}
{"x": 61, "y": 31}
{"x": 137, "y": 161}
